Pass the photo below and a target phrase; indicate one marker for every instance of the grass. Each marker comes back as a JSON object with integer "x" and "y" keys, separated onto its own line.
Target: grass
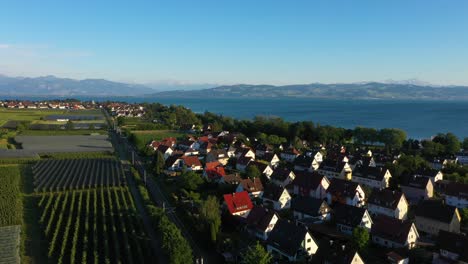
{"x": 10, "y": 195}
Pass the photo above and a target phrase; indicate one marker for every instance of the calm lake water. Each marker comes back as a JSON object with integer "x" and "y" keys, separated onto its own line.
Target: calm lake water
{"x": 420, "y": 119}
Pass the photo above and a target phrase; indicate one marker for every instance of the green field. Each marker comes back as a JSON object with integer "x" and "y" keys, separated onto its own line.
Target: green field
{"x": 9, "y": 244}
{"x": 141, "y": 138}
{"x": 10, "y": 196}
{"x": 37, "y": 114}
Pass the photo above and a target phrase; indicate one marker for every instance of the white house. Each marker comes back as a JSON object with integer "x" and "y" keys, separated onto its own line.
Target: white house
{"x": 253, "y": 187}
{"x": 388, "y": 202}
{"x": 394, "y": 233}
{"x": 289, "y": 155}
{"x": 282, "y": 177}
{"x": 452, "y": 247}
{"x": 310, "y": 184}
{"x": 348, "y": 217}
{"x": 291, "y": 242}
{"x": 261, "y": 221}
{"x": 335, "y": 169}
{"x": 345, "y": 192}
{"x": 456, "y": 194}
{"x": 373, "y": 177}
{"x": 310, "y": 209}
{"x": 277, "y": 197}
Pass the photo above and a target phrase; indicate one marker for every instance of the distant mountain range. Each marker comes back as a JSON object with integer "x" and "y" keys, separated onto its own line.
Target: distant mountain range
{"x": 54, "y": 86}
{"x": 370, "y": 90}
{"x": 65, "y": 87}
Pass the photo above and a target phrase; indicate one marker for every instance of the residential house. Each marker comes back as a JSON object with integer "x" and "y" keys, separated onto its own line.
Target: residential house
{"x": 289, "y": 155}
{"x": 310, "y": 209}
{"x": 192, "y": 163}
{"x": 214, "y": 171}
{"x": 348, "y": 217}
{"x": 417, "y": 188}
{"x": 310, "y": 184}
{"x": 373, "y": 177}
{"x": 345, "y": 192}
{"x": 453, "y": 247}
{"x": 188, "y": 144}
{"x": 316, "y": 154}
{"x": 232, "y": 179}
{"x": 245, "y": 152}
{"x": 218, "y": 155}
{"x": 262, "y": 149}
{"x": 271, "y": 158}
{"x": 462, "y": 157}
{"x": 388, "y": 202}
{"x": 291, "y": 242}
{"x": 394, "y": 233}
{"x": 191, "y": 152}
{"x": 174, "y": 163}
{"x": 456, "y": 194}
{"x": 276, "y": 197}
{"x": 335, "y": 169}
{"x": 265, "y": 169}
{"x": 238, "y": 204}
{"x": 305, "y": 163}
{"x": 253, "y": 187}
{"x": 242, "y": 163}
{"x": 165, "y": 150}
{"x": 282, "y": 176}
{"x": 396, "y": 258}
{"x": 205, "y": 147}
{"x": 261, "y": 221}
{"x": 434, "y": 215}
{"x": 433, "y": 174}
{"x": 336, "y": 252}
{"x": 440, "y": 163}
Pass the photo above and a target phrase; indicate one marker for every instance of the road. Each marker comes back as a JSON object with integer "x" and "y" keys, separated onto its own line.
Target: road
{"x": 155, "y": 243}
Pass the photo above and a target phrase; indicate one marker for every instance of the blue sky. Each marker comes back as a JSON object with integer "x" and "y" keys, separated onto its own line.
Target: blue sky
{"x": 275, "y": 42}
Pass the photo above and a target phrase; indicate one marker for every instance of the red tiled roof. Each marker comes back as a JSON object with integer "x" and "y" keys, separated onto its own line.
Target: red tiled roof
{"x": 191, "y": 161}
{"x": 238, "y": 202}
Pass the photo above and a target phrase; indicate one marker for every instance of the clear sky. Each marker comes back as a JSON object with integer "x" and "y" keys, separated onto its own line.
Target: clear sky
{"x": 238, "y": 41}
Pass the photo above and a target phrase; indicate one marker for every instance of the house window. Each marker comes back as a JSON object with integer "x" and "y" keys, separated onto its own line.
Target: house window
{"x": 308, "y": 240}
{"x": 308, "y": 249}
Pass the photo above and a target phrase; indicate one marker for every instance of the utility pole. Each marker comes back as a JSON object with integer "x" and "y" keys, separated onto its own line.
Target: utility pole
{"x": 133, "y": 157}
{"x": 144, "y": 176}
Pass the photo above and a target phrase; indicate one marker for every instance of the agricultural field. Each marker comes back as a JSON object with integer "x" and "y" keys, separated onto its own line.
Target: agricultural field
{"x": 53, "y": 144}
{"x": 10, "y": 195}
{"x": 141, "y": 138}
{"x": 69, "y": 174}
{"x": 38, "y": 114}
{"x": 93, "y": 226}
{"x": 10, "y": 244}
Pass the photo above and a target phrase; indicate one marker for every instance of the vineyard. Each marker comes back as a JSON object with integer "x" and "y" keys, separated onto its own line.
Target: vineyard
{"x": 71, "y": 174}
{"x": 10, "y": 244}
{"x": 93, "y": 226}
{"x": 10, "y": 200}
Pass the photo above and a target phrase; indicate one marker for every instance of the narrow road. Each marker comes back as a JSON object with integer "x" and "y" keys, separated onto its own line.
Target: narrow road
{"x": 155, "y": 243}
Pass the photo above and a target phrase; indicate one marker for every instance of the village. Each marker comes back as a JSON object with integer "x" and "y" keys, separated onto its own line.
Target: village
{"x": 317, "y": 204}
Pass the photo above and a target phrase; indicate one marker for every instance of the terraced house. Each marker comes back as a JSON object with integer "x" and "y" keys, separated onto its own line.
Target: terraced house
{"x": 373, "y": 177}
{"x": 388, "y": 202}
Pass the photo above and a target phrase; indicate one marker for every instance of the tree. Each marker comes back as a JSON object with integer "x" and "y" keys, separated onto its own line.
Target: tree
{"x": 191, "y": 180}
{"x": 252, "y": 172}
{"x": 465, "y": 144}
{"x": 257, "y": 255}
{"x": 392, "y": 138}
{"x": 70, "y": 125}
{"x": 158, "y": 163}
{"x": 211, "y": 216}
{"x": 453, "y": 144}
{"x": 360, "y": 238}
{"x": 464, "y": 216}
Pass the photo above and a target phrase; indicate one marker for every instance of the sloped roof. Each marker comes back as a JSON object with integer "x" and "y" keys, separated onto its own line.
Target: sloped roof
{"x": 238, "y": 202}
{"x": 436, "y": 210}
{"x": 371, "y": 173}
{"x": 309, "y": 180}
{"x": 259, "y": 218}
{"x": 385, "y": 198}
{"x": 287, "y": 237}
{"x": 280, "y": 174}
{"x": 273, "y": 192}
{"x": 308, "y": 205}
{"x": 454, "y": 242}
{"x": 348, "y": 215}
{"x": 391, "y": 229}
{"x": 190, "y": 161}
{"x": 340, "y": 187}
{"x": 250, "y": 186}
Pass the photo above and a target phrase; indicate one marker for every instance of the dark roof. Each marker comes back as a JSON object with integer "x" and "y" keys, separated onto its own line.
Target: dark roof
{"x": 308, "y": 205}
{"x": 280, "y": 174}
{"x": 385, "y": 198}
{"x": 172, "y": 159}
{"x": 287, "y": 237}
{"x": 454, "y": 242}
{"x": 264, "y": 147}
{"x": 431, "y": 173}
{"x": 334, "y": 251}
{"x": 244, "y": 160}
{"x": 372, "y": 173}
{"x": 260, "y": 165}
{"x": 457, "y": 189}
{"x": 415, "y": 182}
{"x": 268, "y": 156}
{"x": 435, "y": 210}
{"x": 303, "y": 161}
{"x": 332, "y": 165}
{"x": 259, "y": 218}
{"x": 273, "y": 192}
{"x": 344, "y": 188}
{"x": 309, "y": 180}
{"x": 392, "y": 229}
{"x": 254, "y": 185}
{"x": 348, "y": 215}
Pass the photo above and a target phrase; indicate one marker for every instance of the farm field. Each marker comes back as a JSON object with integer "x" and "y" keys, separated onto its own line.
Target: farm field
{"x": 144, "y": 137}
{"x": 68, "y": 174}
{"x": 53, "y": 144}
{"x": 10, "y": 244}
{"x": 10, "y": 195}
{"x": 38, "y": 114}
{"x": 93, "y": 226}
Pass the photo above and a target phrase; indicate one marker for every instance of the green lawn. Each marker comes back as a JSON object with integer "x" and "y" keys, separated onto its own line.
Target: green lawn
{"x": 142, "y": 137}
{"x": 37, "y": 114}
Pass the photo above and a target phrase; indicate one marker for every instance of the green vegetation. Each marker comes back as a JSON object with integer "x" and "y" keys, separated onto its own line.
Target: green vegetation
{"x": 98, "y": 224}
{"x": 10, "y": 196}
{"x": 210, "y": 217}
{"x": 190, "y": 180}
{"x": 158, "y": 163}
{"x": 252, "y": 172}
{"x": 79, "y": 155}
{"x": 9, "y": 244}
{"x": 257, "y": 255}
{"x": 174, "y": 244}
{"x": 361, "y": 238}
